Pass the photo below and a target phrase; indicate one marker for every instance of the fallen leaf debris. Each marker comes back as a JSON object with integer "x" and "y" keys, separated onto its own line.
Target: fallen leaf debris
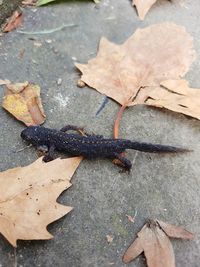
{"x": 23, "y": 101}
{"x": 151, "y": 55}
{"x": 13, "y": 22}
{"x": 153, "y": 240}
{"x": 28, "y": 198}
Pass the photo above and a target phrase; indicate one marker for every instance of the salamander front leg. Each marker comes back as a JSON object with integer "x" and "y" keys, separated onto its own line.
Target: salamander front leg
{"x": 43, "y": 148}
{"x": 50, "y": 154}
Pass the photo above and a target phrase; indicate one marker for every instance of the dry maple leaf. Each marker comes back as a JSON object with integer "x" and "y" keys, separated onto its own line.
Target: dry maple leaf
{"x": 151, "y": 55}
{"x": 143, "y": 7}
{"x": 153, "y": 240}
{"x": 14, "y": 21}
{"x": 28, "y": 198}
{"x": 175, "y": 95}
{"x": 23, "y": 101}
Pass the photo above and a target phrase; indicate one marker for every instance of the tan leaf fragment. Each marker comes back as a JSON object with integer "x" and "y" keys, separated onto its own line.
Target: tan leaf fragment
{"x": 28, "y": 198}
{"x": 151, "y": 55}
{"x": 153, "y": 240}
{"x": 109, "y": 238}
{"x": 23, "y": 101}
{"x": 4, "y": 82}
{"x": 143, "y": 7}
{"x": 175, "y": 231}
{"x": 133, "y": 251}
{"x": 14, "y": 22}
{"x": 175, "y": 95}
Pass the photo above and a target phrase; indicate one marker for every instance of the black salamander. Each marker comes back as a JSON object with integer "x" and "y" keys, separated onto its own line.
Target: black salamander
{"x": 88, "y": 146}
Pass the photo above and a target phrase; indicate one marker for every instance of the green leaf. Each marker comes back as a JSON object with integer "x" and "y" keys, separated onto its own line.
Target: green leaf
{"x": 44, "y": 2}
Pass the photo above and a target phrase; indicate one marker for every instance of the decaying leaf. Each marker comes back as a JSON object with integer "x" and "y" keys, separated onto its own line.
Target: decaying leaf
{"x": 143, "y": 7}
{"x": 4, "y": 82}
{"x": 175, "y": 95}
{"x": 153, "y": 240}
{"x": 151, "y": 55}
{"x": 23, "y": 101}
{"x": 28, "y": 198}
{"x": 14, "y": 22}
{"x": 175, "y": 231}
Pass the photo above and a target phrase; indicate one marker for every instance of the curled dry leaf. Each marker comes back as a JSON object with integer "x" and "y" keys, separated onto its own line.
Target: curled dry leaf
{"x": 14, "y": 21}
{"x": 151, "y": 55}
{"x": 175, "y": 231}
{"x": 143, "y": 7}
{"x": 175, "y": 95}
{"x": 153, "y": 240}
{"x": 23, "y": 101}
{"x": 28, "y": 198}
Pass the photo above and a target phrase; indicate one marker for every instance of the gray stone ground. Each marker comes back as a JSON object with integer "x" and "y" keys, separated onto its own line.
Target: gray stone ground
{"x": 164, "y": 187}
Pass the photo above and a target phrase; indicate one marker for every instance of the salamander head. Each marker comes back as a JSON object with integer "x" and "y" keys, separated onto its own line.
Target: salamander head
{"x": 35, "y": 135}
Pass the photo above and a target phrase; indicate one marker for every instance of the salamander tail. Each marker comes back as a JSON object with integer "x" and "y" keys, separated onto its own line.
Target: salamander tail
{"x": 156, "y": 148}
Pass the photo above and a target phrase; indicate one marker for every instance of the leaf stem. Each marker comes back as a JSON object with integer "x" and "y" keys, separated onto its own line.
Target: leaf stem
{"x": 118, "y": 119}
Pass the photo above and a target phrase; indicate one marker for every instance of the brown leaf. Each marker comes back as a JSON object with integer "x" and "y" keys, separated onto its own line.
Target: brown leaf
{"x": 175, "y": 231}
{"x": 149, "y": 56}
{"x": 23, "y": 101}
{"x": 156, "y": 246}
{"x": 133, "y": 251}
{"x": 28, "y": 198}
{"x": 175, "y": 95}
{"x": 14, "y": 22}
{"x": 143, "y": 7}
{"x": 130, "y": 218}
{"x": 4, "y": 82}
{"x": 152, "y": 239}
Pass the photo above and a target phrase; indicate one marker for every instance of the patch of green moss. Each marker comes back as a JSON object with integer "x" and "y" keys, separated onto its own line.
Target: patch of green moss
{"x": 118, "y": 226}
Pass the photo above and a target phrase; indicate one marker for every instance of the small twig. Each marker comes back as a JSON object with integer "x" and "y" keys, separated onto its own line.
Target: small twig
{"x": 118, "y": 118}
{"x": 50, "y": 30}
{"x": 130, "y": 218}
{"x": 116, "y": 128}
{"x": 22, "y": 149}
{"x": 105, "y": 101}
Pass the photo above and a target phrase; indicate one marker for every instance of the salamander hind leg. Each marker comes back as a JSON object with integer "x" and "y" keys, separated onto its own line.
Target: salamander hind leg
{"x": 122, "y": 162}
{"x": 80, "y": 130}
